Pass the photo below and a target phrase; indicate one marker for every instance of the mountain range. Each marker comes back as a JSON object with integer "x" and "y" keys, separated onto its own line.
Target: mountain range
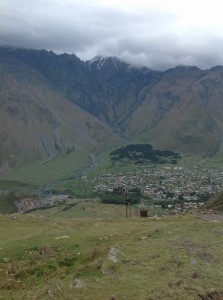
{"x": 52, "y": 104}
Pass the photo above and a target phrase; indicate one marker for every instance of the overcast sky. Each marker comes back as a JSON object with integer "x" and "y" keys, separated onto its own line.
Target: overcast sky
{"x": 156, "y": 33}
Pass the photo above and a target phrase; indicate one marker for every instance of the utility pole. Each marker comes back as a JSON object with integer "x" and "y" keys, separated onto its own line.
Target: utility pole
{"x": 127, "y": 202}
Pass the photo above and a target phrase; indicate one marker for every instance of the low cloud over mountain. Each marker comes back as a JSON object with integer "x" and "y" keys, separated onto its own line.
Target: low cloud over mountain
{"x": 157, "y": 34}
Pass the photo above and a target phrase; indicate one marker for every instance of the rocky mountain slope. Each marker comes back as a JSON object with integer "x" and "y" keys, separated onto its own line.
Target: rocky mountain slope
{"x": 52, "y": 103}
{"x": 37, "y": 122}
{"x": 183, "y": 111}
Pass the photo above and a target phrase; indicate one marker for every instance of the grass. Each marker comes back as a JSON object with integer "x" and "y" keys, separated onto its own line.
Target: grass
{"x": 64, "y": 169}
{"x": 215, "y": 202}
{"x": 217, "y": 160}
{"x": 83, "y": 209}
{"x": 77, "y": 187}
{"x": 64, "y": 254}
{"x": 67, "y": 167}
{"x": 7, "y": 203}
{"x": 13, "y": 191}
{"x": 59, "y": 168}
{"x": 15, "y": 185}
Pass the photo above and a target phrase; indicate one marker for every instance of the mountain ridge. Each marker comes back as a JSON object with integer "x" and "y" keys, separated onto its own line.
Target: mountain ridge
{"x": 179, "y": 109}
{"x": 38, "y": 122}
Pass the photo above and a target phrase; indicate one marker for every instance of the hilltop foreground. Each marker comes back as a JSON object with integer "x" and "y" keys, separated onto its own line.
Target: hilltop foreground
{"x": 45, "y": 255}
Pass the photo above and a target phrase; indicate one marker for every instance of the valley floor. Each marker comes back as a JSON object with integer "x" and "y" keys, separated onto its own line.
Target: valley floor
{"x": 46, "y": 255}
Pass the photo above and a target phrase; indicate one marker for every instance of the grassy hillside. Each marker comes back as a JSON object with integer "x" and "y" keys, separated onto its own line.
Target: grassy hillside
{"x": 62, "y": 167}
{"x": 67, "y": 166}
{"x": 216, "y": 202}
{"x": 55, "y": 254}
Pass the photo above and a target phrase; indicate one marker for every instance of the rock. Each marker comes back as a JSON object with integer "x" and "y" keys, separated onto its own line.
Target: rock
{"x": 62, "y": 237}
{"x": 113, "y": 253}
{"x": 59, "y": 286}
{"x": 49, "y": 292}
{"x": 78, "y": 283}
{"x": 193, "y": 261}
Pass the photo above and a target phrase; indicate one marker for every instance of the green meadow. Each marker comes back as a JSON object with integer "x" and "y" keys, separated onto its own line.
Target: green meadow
{"x": 83, "y": 249}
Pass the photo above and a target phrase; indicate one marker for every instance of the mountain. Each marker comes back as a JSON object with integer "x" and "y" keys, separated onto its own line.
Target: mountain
{"x": 105, "y": 87}
{"x": 179, "y": 109}
{"x": 57, "y": 103}
{"x": 37, "y": 122}
{"x": 182, "y": 111}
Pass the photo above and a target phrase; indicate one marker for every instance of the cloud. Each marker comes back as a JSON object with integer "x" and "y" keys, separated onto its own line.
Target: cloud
{"x": 158, "y": 34}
